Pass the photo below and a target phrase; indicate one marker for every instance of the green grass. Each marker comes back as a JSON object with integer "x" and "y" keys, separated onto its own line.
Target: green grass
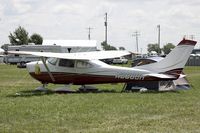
{"x": 21, "y": 110}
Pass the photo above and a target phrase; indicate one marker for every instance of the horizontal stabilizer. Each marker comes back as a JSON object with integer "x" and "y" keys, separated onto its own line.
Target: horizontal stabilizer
{"x": 182, "y": 76}
{"x": 95, "y": 55}
{"x": 161, "y": 76}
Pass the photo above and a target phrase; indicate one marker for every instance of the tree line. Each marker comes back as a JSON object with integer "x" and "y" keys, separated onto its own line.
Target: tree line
{"x": 155, "y": 47}
{"x": 151, "y": 47}
{"x": 21, "y": 37}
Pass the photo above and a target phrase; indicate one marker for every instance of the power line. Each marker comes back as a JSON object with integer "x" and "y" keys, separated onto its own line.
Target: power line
{"x": 136, "y": 34}
{"x": 192, "y": 37}
{"x": 89, "y": 32}
{"x": 106, "y": 27}
{"x": 158, "y": 26}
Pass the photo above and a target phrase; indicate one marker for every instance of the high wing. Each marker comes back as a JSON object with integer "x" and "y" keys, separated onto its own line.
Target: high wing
{"x": 95, "y": 55}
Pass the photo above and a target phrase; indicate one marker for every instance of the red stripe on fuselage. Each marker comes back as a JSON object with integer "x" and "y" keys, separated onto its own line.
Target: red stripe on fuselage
{"x": 81, "y": 79}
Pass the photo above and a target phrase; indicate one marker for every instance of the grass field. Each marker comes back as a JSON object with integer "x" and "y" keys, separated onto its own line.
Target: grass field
{"x": 23, "y": 111}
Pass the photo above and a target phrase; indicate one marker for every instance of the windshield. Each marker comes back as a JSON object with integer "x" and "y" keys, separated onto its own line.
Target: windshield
{"x": 83, "y": 64}
{"x": 52, "y": 61}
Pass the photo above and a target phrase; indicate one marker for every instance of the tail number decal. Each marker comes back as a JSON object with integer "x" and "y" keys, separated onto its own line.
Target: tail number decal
{"x": 129, "y": 76}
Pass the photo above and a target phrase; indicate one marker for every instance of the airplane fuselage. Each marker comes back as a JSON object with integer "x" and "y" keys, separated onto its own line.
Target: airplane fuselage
{"x": 79, "y": 72}
{"x": 86, "y": 68}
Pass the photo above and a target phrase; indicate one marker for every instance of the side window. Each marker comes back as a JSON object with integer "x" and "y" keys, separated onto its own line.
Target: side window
{"x": 83, "y": 64}
{"x": 66, "y": 63}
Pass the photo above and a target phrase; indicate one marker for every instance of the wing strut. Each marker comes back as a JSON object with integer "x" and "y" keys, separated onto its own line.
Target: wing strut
{"x": 50, "y": 74}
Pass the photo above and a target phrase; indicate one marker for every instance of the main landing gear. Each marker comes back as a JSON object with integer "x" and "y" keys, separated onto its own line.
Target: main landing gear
{"x": 42, "y": 88}
{"x": 86, "y": 89}
{"x": 63, "y": 89}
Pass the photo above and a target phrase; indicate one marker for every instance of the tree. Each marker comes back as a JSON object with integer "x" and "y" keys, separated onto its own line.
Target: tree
{"x": 122, "y": 48}
{"x": 167, "y": 48}
{"x": 36, "y": 38}
{"x": 154, "y": 47}
{"x": 19, "y": 36}
{"x": 107, "y": 46}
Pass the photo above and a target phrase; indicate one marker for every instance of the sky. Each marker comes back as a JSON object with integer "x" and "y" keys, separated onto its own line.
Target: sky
{"x": 69, "y": 19}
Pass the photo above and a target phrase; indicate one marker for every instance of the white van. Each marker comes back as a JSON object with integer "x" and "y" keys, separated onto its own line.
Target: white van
{"x": 120, "y": 60}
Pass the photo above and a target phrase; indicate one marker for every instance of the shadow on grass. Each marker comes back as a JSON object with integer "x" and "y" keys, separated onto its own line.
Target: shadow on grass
{"x": 30, "y": 93}
{"x": 160, "y": 92}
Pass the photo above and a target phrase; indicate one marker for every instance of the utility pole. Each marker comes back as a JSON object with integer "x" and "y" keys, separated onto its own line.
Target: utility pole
{"x": 192, "y": 37}
{"x": 106, "y": 27}
{"x": 89, "y": 32}
{"x": 158, "y": 26}
{"x": 136, "y": 34}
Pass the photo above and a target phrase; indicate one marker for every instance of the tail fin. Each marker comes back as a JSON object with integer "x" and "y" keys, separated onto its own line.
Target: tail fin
{"x": 175, "y": 61}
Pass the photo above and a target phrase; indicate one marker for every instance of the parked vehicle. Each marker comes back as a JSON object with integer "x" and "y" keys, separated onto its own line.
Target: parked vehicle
{"x": 21, "y": 60}
{"x": 120, "y": 60}
{"x": 107, "y": 61}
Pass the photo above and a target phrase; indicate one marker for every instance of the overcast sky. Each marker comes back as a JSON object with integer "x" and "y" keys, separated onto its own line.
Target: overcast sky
{"x": 68, "y": 19}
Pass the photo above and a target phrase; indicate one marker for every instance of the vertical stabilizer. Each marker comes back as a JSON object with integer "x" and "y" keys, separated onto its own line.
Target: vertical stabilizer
{"x": 175, "y": 61}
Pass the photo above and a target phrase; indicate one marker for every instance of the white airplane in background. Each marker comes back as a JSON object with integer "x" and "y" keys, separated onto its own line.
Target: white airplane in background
{"x": 86, "y": 68}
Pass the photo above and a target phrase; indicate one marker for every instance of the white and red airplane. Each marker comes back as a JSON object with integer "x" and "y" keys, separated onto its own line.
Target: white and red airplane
{"x": 86, "y": 68}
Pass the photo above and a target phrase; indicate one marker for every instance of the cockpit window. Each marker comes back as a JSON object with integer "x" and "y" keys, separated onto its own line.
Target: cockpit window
{"x": 83, "y": 64}
{"x": 66, "y": 63}
{"x": 52, "y": 61}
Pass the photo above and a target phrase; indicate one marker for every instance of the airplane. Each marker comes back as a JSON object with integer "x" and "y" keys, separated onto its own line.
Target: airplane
{"x": 86, "y": 68}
